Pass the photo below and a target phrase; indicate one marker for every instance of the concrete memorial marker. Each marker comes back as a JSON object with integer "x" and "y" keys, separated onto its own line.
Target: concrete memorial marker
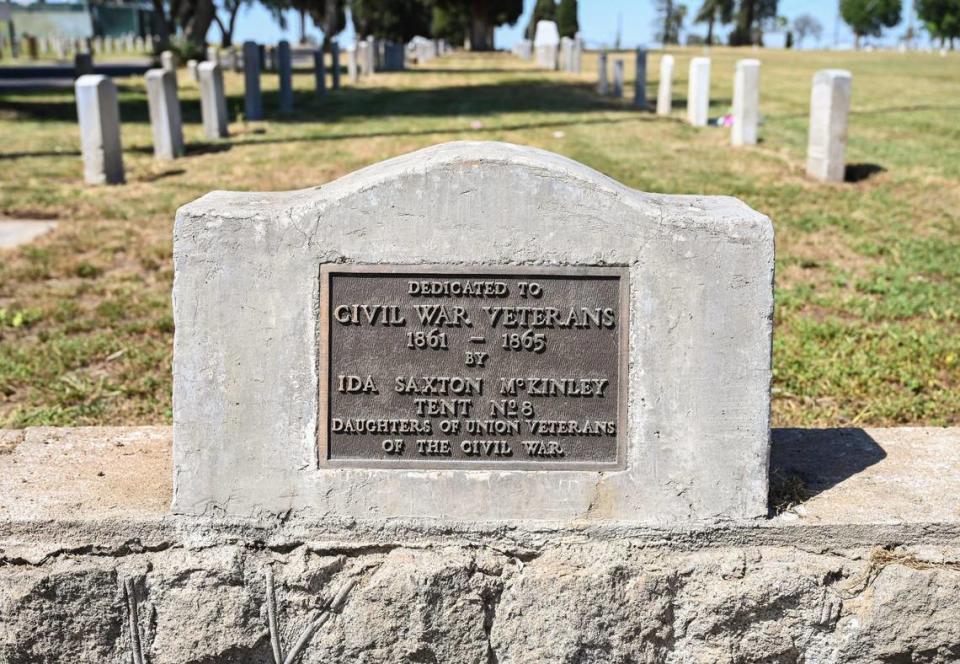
{"x": 546, "y": 42}
{"x": 352, "y": 72}
{"x": 829, "y": 108}
{"x": 746, "y": 103}
{"x": 698, "y": 92}
{"x": 192, "y": 71}
{"x": 617, "y": 78}
{"x": 603, "y": 84}
{"x": 285, "y": 71}
{"x": 164, "y": 114}
{"x": 99, "y": 113}
{"x": 640, "y": 80}
{"x": 213, "y": 100}
{"x": 252, "y": 99}
{"x": 665, "y": 86}
{"x": 440, "y": 335}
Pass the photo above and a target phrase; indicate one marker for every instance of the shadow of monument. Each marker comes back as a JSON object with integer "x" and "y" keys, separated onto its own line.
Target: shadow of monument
{"x": 807, "y": 462}
{"x": 860, "y": 172}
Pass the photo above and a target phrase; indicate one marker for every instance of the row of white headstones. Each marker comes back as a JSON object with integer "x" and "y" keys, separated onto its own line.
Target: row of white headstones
{"x": 99, "y": 112}
{"x": 829, "y": 105}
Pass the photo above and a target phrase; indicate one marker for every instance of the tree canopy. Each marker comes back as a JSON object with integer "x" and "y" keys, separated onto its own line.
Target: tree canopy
{"x": 567, "y": 21}
{"x": 941, "y": 18}
{"x": 868, "y": 18}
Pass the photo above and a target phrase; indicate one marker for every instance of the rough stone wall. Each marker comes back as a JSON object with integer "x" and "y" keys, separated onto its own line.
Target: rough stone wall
{"x": 623, "y": 601}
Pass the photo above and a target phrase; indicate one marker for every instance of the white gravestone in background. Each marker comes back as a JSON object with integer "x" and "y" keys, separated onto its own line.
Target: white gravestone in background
{"x": 99, "y": 113}
{"x": 698, "y": 92}
{"x": 665, "y": 86}
{"x": 472, "y": 332}
{"x": 213, "y": 101}
{"x": 603, "y": 83}
{"x": 746, "y": 103}
{"x": 829, "y": 108}
{"x": 164, "y": 114}
{"x": 546, "y": 42}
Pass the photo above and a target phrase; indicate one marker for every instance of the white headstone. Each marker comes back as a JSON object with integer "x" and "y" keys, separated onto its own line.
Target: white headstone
{"x": 164, "y": 114}
{"x": 352, "y": 71}
{"x": 698, "y": 92}
{"x": 546, "y": 42}
{"x": 213, "y": 100}
{"x": 746, "y": 103}
{"x": 99, "y": 113}
{"x": 665, "y": 86}
{"x": 192, "y": 71}
{"x": 829, "y": 108}
{"x": 617, "y": 78}
{"x": 168, "y": 61}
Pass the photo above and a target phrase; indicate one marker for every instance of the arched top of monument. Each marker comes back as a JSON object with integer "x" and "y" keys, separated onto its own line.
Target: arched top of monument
{"x": 488, "y": 180}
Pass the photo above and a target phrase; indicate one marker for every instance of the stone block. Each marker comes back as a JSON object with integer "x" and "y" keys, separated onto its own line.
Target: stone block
{"x": 695, "y": 279}
{"x": 99, "y": 113}
{"x": 698, "y": 92}
{"x": 829, "y": 109}
{"x": 164, "y": 114}
{"x": 746, "y": 103}
{"x": 665, "y": 86}
{"x": 213, "y": 100}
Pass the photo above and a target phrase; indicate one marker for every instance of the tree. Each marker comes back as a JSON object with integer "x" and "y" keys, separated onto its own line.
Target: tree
{"x": 450, "y": 24}
{"x": 544, "y": 10}
{"x": 567, "y": 22}
{"x": 227, "y": 25}
{"x": 329, "y": 15}
{"x": 670, "y": 18}
{"x": 806, "y": 25}
{"x": 396, "y": 20}
{"x": 868, "y": 18}
{"x": 484, "y": 16}
{"x": 941, "y": 18}
{"x": 752, "y": 16}
{"x": 712, "y": 11}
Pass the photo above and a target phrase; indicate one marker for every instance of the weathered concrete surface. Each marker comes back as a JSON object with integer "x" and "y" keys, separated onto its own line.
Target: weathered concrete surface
{"x": 14, "y": 232}
{"x": 82, "y": 514}
{"x": 246, "y": 302}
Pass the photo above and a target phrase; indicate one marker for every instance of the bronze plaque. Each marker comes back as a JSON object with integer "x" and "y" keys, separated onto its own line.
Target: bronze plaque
{"x": 479, "y": 367}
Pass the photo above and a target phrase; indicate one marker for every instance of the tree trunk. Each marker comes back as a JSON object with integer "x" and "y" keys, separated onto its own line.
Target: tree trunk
{"x": 303, "y": 26}
{"x": 667, "y": 20}
{"x": 709, "y": 31}
{"x": 162, "y": 25}
{"x": 479, "y": 27}
{"x": 856, "y": 41}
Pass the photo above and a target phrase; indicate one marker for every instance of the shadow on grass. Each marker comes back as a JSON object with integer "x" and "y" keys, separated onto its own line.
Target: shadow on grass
{"x": 807, "y": 462}
{"x": 860, "y": 172}
{"x": 368, "y": 102}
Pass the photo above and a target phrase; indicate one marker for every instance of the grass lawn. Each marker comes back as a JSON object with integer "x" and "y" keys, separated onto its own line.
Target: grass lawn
{"x": 868, "y": 272}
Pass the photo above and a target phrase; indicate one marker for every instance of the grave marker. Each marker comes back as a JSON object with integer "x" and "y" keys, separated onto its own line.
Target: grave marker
{"x": 319, "y": 72}
{"x": 164, "y": 114}
{"x": 640, "y": 82}
{"x": 285, "y": 73}
{"x": 829, "y": 108}
{"x": 546, "y": 41}
{"x": 335, "y": 65}
{"x": 746, "y": 103}
{"x": 433, "y": 337}
{"x": 665, "y": 86}
{"x": 617, "y": 78}
{"x": 99, "y": 113}
{"x": 213, "y": 100}
{"x": 252, "y": 100}
{"x": 698, "y": 92}
{"x": 602, "y": 82}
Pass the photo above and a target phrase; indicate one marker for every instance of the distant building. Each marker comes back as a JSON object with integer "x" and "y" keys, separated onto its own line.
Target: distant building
{"x": 78, "y": 20}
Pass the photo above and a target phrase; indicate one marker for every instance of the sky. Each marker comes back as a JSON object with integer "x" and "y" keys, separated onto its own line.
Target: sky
{"x": 598, "y": 24}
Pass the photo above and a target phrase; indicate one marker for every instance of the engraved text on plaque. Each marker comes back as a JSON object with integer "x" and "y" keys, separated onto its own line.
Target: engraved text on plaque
{"x": 482, "y": 367}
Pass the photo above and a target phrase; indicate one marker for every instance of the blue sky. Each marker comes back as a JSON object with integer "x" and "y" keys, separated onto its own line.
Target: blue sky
{"x": 598, "y": 23}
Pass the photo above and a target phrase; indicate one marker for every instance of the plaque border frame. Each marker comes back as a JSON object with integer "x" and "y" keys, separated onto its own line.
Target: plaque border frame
{"x": 622, "y": 273}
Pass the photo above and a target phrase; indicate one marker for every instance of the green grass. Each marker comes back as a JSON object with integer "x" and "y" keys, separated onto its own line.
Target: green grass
{"x": 868, "y": 272}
